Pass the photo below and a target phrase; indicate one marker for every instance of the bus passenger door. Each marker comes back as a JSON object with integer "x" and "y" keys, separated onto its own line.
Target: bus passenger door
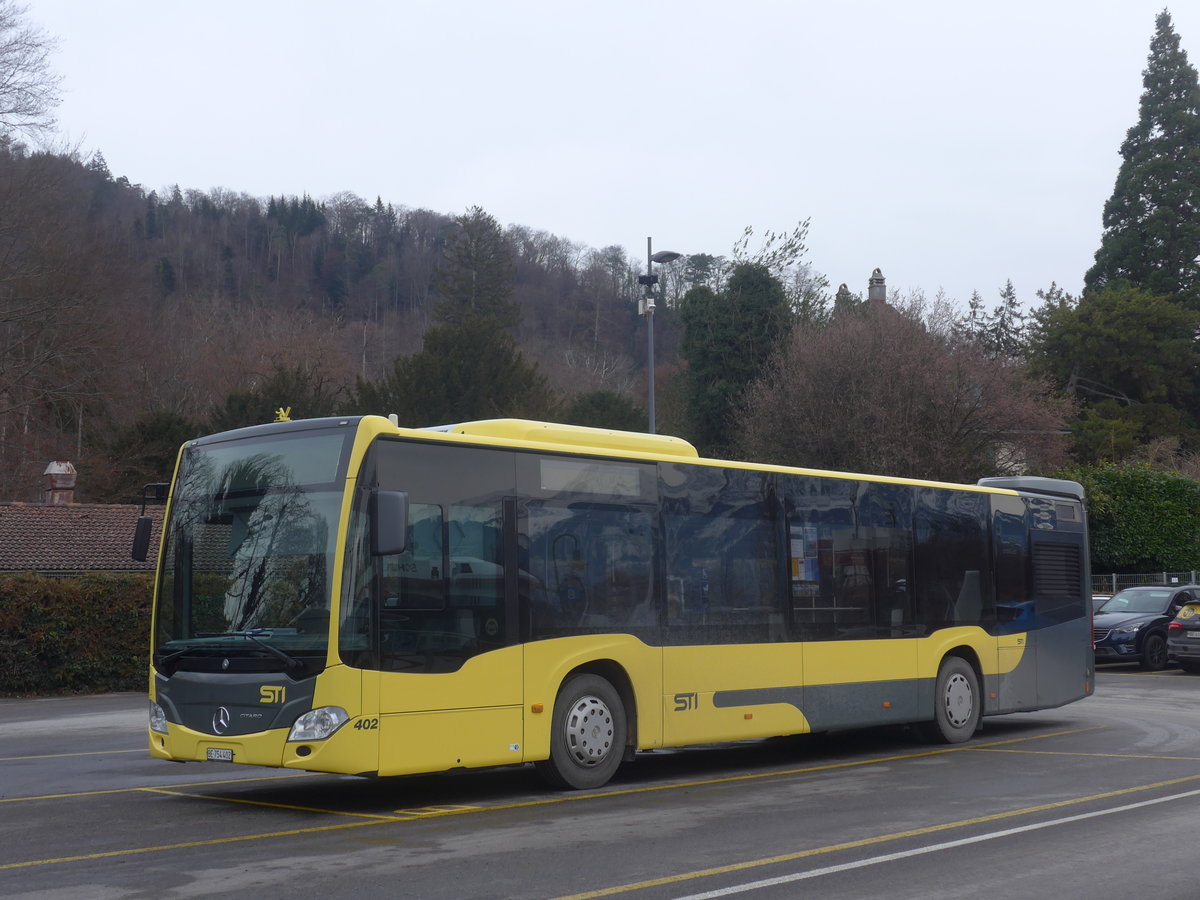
{"x": 445, "y": 638}
{"x": 450, "y": 681}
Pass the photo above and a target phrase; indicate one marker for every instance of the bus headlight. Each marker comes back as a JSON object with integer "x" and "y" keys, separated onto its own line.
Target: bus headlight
{"x": 318, "y": 724}
{"x": 158, "y": 718}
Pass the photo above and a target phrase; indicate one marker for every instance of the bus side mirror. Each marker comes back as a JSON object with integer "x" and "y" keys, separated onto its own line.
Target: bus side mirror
{"x": 151, "y": 493}
{"x": 141, "y": 538}
{"x": 389, "y": 522}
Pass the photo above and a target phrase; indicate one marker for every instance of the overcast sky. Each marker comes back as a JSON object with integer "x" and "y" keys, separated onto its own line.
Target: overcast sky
{"x": 954, "y": 145}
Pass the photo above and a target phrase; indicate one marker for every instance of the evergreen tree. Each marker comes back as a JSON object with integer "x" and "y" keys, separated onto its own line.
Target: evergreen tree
{"x": 467, "y": 370}
{"x": 728, "y": 338}
{"x": 142, "y": 453}
{"x": 605, "y": 409}
{"x": 1131, "y": 359}
{"x": 704, "y": 269}
{"x": 1003, "y": 333}
{"x": 974, "y": 323}
{"x": 1152, "y": 220}
{"x": 164, "y": 273}
{"x": 304, "y": 393}
{"x": 476, "y": 278}
{"x": 97, "y": 166}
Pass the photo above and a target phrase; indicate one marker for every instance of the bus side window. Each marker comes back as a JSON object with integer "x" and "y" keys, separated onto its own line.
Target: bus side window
{"x": 722, "y": 563}
{"x": 951, "y": 530}
{"x": 413, "y": 579}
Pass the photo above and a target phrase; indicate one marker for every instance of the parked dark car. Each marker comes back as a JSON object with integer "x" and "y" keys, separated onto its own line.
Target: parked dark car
{"x": 1183, "y": 638}
{"x": 1133, "y": 624}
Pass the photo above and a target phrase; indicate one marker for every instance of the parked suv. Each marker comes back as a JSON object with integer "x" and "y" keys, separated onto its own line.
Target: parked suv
{"x": 1133, "y": 624}
{"x": 1183, "y": 638}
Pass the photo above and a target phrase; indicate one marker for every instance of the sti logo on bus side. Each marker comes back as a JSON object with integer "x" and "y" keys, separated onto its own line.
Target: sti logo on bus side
{"x": 271, "y": 693}
{"x": 684, "y": 702}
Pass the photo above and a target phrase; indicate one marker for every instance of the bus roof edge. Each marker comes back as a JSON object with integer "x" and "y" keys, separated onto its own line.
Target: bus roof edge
{"x": 530, "y": 431}
{"x": 1059, "y": 487}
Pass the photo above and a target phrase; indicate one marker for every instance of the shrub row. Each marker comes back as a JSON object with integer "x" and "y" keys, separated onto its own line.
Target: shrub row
{"x": 1140, "y": 519}
{"x": 73, "y": 635}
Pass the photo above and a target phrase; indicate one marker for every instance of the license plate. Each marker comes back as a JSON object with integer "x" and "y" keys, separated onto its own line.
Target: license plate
{"x": 1194, "y": 635}
{"x": 217, "y": 754}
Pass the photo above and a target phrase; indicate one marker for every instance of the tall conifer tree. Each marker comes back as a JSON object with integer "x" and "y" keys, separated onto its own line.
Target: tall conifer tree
{"x": 477, "y": 276}
{"x": 728, "y": 339}
{"x": 1152, "y": 221}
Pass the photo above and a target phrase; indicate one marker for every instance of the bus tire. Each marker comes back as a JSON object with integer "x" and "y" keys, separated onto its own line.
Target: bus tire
{"x": 587, "y": 734}
{"x": 957, "y": 704}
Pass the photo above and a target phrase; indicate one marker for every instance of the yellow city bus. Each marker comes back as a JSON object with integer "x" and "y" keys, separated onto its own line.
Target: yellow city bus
{"x": 349, "y": 596}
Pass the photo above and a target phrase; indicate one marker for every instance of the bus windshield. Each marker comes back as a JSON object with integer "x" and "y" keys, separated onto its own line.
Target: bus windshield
{"x": 247, "y": 558}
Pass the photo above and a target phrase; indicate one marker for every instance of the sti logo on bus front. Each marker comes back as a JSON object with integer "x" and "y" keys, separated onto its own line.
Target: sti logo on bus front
{"x": 271, "y": 693}
{"x": 684, "y": 702}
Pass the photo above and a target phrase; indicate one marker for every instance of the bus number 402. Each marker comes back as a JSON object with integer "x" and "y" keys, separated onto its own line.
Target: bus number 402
{"x": 684, "y": 702}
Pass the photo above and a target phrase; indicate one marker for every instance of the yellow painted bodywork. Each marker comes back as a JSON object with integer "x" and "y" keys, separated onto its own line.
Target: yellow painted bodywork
{"x": 180, "y": 743}
{"x": 433, "y": 722}
{"x": 933, "y": 649}
{"x": 705, "y": 670}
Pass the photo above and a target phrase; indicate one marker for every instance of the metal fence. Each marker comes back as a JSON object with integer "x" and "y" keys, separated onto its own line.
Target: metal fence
{"x": 1110, "y": 584}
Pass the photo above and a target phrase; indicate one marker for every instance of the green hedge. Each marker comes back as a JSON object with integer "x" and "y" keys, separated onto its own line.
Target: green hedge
{"x": 1141, "y": 520}
{"x": 73, "y": 635}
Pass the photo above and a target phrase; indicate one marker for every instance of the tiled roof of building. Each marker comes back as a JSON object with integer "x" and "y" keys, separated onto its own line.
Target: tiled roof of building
{"x": 74, "y": 537}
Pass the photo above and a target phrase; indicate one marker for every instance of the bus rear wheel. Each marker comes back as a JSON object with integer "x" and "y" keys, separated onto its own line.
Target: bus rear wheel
{"x": 956, "y": 704}
{"x": 587, "y": 734}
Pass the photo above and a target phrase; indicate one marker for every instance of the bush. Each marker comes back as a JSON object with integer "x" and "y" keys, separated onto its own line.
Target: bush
{"x": 1140, "y": 520}
{"x": 74, "y": 635}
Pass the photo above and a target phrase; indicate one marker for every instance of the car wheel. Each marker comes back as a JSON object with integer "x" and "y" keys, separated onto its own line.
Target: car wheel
{"x": 1154, "y": 652}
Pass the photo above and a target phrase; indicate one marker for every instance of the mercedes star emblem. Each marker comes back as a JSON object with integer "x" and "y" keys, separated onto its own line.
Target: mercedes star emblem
{"x": 220, "y": 720}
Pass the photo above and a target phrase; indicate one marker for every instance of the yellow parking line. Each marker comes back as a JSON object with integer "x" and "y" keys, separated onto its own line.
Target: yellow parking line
{"x": 1095, "y": 755}
{"x": 132, "y": 851}
{"x": 865, "y": 842}
{"x": 1036, "y": 737}
{"x": 133, "y": 790}
{"x": 65, "y": 755}
{"x": 382, "y": 817}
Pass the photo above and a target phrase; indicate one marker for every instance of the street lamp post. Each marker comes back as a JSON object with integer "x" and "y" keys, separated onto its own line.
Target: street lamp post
{"x": 648, "y": 281}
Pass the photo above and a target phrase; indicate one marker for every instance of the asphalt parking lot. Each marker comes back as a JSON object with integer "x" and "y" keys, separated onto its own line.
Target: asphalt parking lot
{"x": 1038, "y": 799}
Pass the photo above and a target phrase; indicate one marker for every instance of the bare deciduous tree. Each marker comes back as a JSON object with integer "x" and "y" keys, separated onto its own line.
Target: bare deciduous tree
{"x": 58, "y": 280}
{"x": 893, "y": 391}
{"x": 28, "y": 86}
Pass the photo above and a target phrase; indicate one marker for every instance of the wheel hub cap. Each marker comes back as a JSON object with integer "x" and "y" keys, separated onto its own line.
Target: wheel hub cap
{"x": 589, "y": 731}
{"x": 960, "y": 701}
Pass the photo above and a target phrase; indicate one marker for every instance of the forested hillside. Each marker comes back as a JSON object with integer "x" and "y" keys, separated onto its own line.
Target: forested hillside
{"x": 138, "y": 320}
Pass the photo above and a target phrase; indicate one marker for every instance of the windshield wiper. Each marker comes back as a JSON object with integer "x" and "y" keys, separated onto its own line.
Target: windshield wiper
{"x": 255, "y": 635}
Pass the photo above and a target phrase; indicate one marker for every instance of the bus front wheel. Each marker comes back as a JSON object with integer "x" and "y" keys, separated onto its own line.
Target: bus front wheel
{"x": 587, "y": 734}
{"x": 957, "y": 704}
